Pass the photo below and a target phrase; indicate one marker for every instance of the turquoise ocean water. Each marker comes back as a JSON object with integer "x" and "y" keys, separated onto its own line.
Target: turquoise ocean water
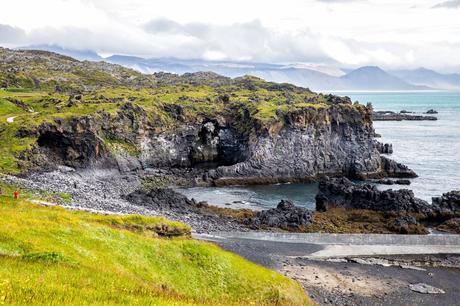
{"x": 430, "y": 148}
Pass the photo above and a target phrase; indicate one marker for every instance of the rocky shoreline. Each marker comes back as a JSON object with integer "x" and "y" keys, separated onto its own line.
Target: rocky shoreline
{"x": 341, "y": 205}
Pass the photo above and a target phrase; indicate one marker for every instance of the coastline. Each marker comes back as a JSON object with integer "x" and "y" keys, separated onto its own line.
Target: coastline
{"x": 366, "y": 278}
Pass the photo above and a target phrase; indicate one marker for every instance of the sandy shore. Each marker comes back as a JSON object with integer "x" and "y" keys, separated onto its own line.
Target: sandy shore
{"x": 356, "y": 280}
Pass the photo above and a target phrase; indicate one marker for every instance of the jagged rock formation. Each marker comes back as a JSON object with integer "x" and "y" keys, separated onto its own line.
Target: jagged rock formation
{"x": 285, "y": 216}
{"x": 384, "y": 148}
{"x": 448, "y": 202}
{"x": 392, "y": 182}
{"x": 391, "y": 168}
{"x": 341, "y": 192}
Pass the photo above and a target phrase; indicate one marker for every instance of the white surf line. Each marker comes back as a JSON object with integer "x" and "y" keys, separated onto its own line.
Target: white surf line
{"x": 10, "y": 119}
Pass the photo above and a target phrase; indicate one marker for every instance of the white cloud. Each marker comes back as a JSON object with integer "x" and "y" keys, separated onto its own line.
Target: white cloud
{"x": 11, "y": 35}
{"x": 448, "y": 4}
{"x": 392, "y": 33}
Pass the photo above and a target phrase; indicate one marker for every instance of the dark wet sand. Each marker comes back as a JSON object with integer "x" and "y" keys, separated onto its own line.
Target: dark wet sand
{"x": 349, "y": 283}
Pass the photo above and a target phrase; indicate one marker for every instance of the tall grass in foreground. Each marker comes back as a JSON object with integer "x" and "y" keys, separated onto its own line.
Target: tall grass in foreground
{"x": 57, "y": 257}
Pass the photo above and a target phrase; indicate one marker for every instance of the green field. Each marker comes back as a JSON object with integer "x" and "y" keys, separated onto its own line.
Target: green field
{"x": 52, "y": 256}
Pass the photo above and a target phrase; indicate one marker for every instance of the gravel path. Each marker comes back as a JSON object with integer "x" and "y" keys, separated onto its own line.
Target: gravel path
{"x": 102, "y": 191}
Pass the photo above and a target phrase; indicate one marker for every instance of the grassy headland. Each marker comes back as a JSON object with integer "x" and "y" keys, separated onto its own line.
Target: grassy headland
{"x": 39, "y": 87}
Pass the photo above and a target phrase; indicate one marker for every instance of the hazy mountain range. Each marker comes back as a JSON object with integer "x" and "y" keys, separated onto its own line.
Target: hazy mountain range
{"x": 319, "y": 78}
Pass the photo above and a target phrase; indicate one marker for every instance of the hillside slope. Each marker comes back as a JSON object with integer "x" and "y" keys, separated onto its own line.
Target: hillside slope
{"x": 51, "y": 71}
{"x": 51, "y": 255}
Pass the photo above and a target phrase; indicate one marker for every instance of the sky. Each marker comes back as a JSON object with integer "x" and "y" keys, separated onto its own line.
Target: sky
{"x": 340, "y": 33}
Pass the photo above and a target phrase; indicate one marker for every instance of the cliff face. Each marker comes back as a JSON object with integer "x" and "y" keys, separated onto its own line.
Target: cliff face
{"x": 332, "y": 141}
{"x": 231, "y": 131}
{"x": 300, "y": 146}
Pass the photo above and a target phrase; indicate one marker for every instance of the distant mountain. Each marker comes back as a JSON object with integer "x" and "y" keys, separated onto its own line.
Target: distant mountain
{"x": 272, "y": 72}
{"x": 374, "y": 78}
{"x": 318, "y": 78}
{"x": 85, "y": 55}
{"x": 364, "y": 78}
{"x": 431, "y": 78}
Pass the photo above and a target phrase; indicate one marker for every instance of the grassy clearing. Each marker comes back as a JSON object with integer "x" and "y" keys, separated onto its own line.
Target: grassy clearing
{"x": 49, "y": 255}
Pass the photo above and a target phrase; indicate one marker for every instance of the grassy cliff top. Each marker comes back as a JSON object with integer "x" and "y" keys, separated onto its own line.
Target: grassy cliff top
{"x": 51, "y": 255}
{"x": 38, "y": 87}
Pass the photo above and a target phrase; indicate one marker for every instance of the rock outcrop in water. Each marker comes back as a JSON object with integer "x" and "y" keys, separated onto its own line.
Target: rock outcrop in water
{"x": 401, "y": 207}
{"x": 392, "y": 116}
{"x": 341, "y": 192}
{"x": 384, "y": 148}
{"x": 393, "y": 182}
{"x": 391, "y": 168}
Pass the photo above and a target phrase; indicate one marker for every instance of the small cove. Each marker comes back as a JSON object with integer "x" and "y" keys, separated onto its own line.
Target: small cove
{"x": 431, "y": 149}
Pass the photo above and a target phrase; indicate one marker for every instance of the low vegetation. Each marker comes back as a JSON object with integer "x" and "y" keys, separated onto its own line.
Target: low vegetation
{"x": 49, "y": 255}
{"x": 360, "y": 221}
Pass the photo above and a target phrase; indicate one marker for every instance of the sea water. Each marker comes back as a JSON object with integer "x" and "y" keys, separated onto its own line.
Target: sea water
{"x": 430, "y": 148}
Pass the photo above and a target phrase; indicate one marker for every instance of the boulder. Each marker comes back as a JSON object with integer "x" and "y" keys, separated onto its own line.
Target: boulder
{"x": 384, "y": 148}
{"x": 425, "y": 289}
{"x": 450, "y": 226}
{"x": 406, "y": 224}
{"x": 395, "y": 169}
{"x": 286, "y": 216}
{"x": 393, "y": 182}
{"x": 161, "y": 199}
{"x": 448, "y": 202}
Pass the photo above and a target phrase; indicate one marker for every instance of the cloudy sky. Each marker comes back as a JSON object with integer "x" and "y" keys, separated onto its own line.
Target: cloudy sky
{"x": 342, "y": 33}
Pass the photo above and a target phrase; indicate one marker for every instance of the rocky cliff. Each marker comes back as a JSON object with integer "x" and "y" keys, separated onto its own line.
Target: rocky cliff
{"x": 301, "y": 145}
{"x": 229, "y": 131}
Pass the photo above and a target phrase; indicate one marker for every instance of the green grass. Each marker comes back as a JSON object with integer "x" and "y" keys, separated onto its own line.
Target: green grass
{"x": 249, "y": 102}
{"x": 52, "y": 256}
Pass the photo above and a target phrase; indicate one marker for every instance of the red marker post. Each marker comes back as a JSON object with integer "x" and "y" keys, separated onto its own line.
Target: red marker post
{"x": 16, "y": 195}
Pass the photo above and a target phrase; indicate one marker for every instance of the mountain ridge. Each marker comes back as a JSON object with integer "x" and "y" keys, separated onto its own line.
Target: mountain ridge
{"x": 310, "y": 76}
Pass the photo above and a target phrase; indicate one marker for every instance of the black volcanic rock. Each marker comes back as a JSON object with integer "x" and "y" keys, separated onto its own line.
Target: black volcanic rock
{"x": 392, "y": 116}
{"x": 341, "y": 192}
{"x": 286, "y": 216}
{"x": 448, "y": 202}
{"x": 393, "y": 182}
{"x": 395, "y": 169}
{"x": 161, "y": 198}
{"x": 384, "y": 148}
{"x": 431, "y": 111}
